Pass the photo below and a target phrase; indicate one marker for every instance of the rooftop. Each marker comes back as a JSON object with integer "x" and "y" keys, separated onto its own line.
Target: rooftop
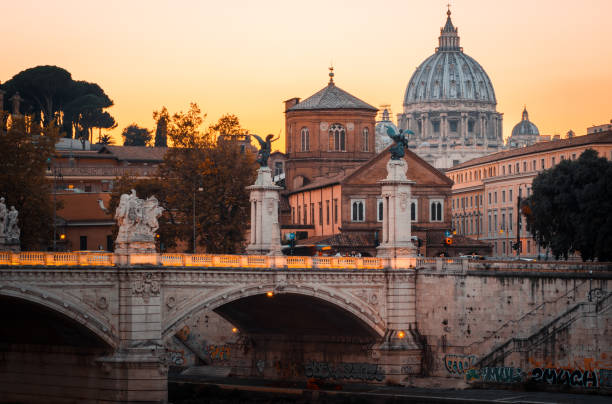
{"x": 602, "y": 137}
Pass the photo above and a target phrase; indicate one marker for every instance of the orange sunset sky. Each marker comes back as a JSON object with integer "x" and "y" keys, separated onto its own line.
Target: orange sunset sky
{"x": 247, "y": 57}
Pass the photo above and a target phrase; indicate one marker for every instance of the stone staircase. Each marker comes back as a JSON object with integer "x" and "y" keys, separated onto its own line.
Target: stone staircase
{"x": 530, "y": 321}
{"x": 562, "y": 322}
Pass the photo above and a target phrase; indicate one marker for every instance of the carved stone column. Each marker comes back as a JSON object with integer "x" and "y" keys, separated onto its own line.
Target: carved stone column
{"x": 443, "y": 126}
{"x": 265, "y": 228}
{"x": 396, "y": 191}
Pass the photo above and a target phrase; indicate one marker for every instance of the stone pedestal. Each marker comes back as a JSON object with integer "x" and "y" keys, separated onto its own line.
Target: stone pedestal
{"x": 396, "y": 194}
{"x": 11, "y": 245}
{"x": 265, "y": 228}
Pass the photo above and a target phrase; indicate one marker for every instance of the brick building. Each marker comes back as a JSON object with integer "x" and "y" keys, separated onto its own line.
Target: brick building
{"x": 332, "y": 171}
{"x": 485, "y": 190}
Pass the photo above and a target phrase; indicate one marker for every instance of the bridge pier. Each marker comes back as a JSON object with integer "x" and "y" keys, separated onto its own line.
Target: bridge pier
{"x": 137, "y": 370}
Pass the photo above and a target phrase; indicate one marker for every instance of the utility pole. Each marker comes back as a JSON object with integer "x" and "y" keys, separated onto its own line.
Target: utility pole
{"x": 518, "y": 224}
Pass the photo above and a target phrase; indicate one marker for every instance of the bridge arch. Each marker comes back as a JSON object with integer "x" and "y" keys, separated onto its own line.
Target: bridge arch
{"x": 71, "y": 310}
{"x": 360, "y": 310}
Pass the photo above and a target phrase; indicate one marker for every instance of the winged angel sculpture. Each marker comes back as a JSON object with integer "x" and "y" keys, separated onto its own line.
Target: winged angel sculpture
{"x": 265, "y": 147}
{"x": 397, "y": 150}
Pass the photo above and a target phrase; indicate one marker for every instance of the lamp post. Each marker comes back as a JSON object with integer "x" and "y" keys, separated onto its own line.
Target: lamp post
{"x": 199, "y": 189}
{"x": 57, "y": 174}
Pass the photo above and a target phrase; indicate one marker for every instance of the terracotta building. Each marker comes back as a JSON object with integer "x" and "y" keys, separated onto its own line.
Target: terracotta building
{"x": 332, "y": 180}
{"x": 81, "y": 178}
{"x": 486, "y": 189}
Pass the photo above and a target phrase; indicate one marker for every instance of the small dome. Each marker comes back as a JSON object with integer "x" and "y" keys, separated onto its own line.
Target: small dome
{"x": 525, "y": 127}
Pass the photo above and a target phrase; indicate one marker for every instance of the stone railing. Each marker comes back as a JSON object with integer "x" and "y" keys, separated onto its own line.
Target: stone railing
{"x": 54, "y": 259}
{"x": 57, "y": 258}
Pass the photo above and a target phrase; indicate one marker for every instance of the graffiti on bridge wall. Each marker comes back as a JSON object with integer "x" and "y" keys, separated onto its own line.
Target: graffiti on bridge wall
{"x": 574, "y": 378}
{"x": 495, "y": 375}
{"x": 218, "y": 352}
{"x": 584, "y": 373}
{"x": 357, "y": 371}
{"x": 458, "y": 365}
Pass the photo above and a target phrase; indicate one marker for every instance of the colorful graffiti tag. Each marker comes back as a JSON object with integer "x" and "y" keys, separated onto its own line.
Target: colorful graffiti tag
{"x": 574, "y": 378}
{"x": 358, "y": 371}
{"x": 458, "y": 365}
{"x": 218, "y": 352}
{"x": 496, "y": 375}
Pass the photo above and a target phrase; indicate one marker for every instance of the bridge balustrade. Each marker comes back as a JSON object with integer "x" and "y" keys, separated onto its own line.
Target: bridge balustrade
{"x": 76, "y": 259}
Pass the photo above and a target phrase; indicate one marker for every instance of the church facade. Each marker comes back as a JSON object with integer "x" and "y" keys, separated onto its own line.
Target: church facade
{"x": 450, "y": 106}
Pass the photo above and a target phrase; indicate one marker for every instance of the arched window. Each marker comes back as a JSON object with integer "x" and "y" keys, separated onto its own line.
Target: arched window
{"x": 413, "y": 210}
{"x": 435, "y": 210}
{"x": 381, "y": 210}
{"x": 366, "y": 139}
{"x": 337, "y": 136}
{"x": 358, "y": 210}
{"x": 305, "y": 139}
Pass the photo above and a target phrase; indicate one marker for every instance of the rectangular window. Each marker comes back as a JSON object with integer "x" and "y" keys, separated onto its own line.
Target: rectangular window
{"x": 542, "y": 165}
{"x": 510, "y": 195}
{"x": 380, "y": 210}
{"x": 533, "y": 165}
{"x": 489, "y": 198}
{"x": 489, "y": 223}
{"x": 503, "y": 196}
{"x": 292, "y": 215}
{"x": 510, "y": 221}
{"x": 495, "y": 221}
{"x": 524, "y": 166}
{"x": 436, "y": 126}
{"x": 471, "y": 201}
{"x": 321, "y": 213}
{"x": 453, "y": 126}
{"x": 414, "y": 214}
{"x": 517, "y": 168}
{"x": 327, "y": 211}
{"x": 278, "y": 168}
{"x": 336, "y": 211}
{"x": 552, "y": 161}
{"x": 357, "y": 210}
{"x": 83, "y": 243}
{"x": 299, "y": 215}
{"x": 509, "y": 168}
{"x": 305, "y": 214}
{"x": 495, "y": 197}
{"x": 109, "y": 243}
{"x": 503, "y": 221}
{"x": 312, "y": 215}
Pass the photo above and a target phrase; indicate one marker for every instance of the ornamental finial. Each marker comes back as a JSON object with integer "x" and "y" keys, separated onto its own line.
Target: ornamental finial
{"x": 331, "y": 74}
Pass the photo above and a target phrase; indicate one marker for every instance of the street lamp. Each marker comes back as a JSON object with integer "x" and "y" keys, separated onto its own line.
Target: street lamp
{"x": 57, "y": 174}
{"x": 199, "y": 189}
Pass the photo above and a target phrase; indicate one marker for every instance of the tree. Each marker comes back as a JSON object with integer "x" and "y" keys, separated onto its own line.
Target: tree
{"x": 568, "y": 210}
{"x": 51, "y": 95}
{"x": 23, "y": 163}
{"x": 197, "y": 161}
{"x": 134, "y": 135}
{"x": 106, "y": 139}
{"x": 161, "y": 132}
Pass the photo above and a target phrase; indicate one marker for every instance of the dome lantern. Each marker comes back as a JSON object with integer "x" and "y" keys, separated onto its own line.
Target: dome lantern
{"x": 449, "y": 36}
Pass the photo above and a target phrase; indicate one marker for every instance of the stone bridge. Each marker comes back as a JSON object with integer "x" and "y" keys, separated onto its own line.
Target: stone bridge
{"x": 122, "y": 317}
{"x": 77, "y": 327}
